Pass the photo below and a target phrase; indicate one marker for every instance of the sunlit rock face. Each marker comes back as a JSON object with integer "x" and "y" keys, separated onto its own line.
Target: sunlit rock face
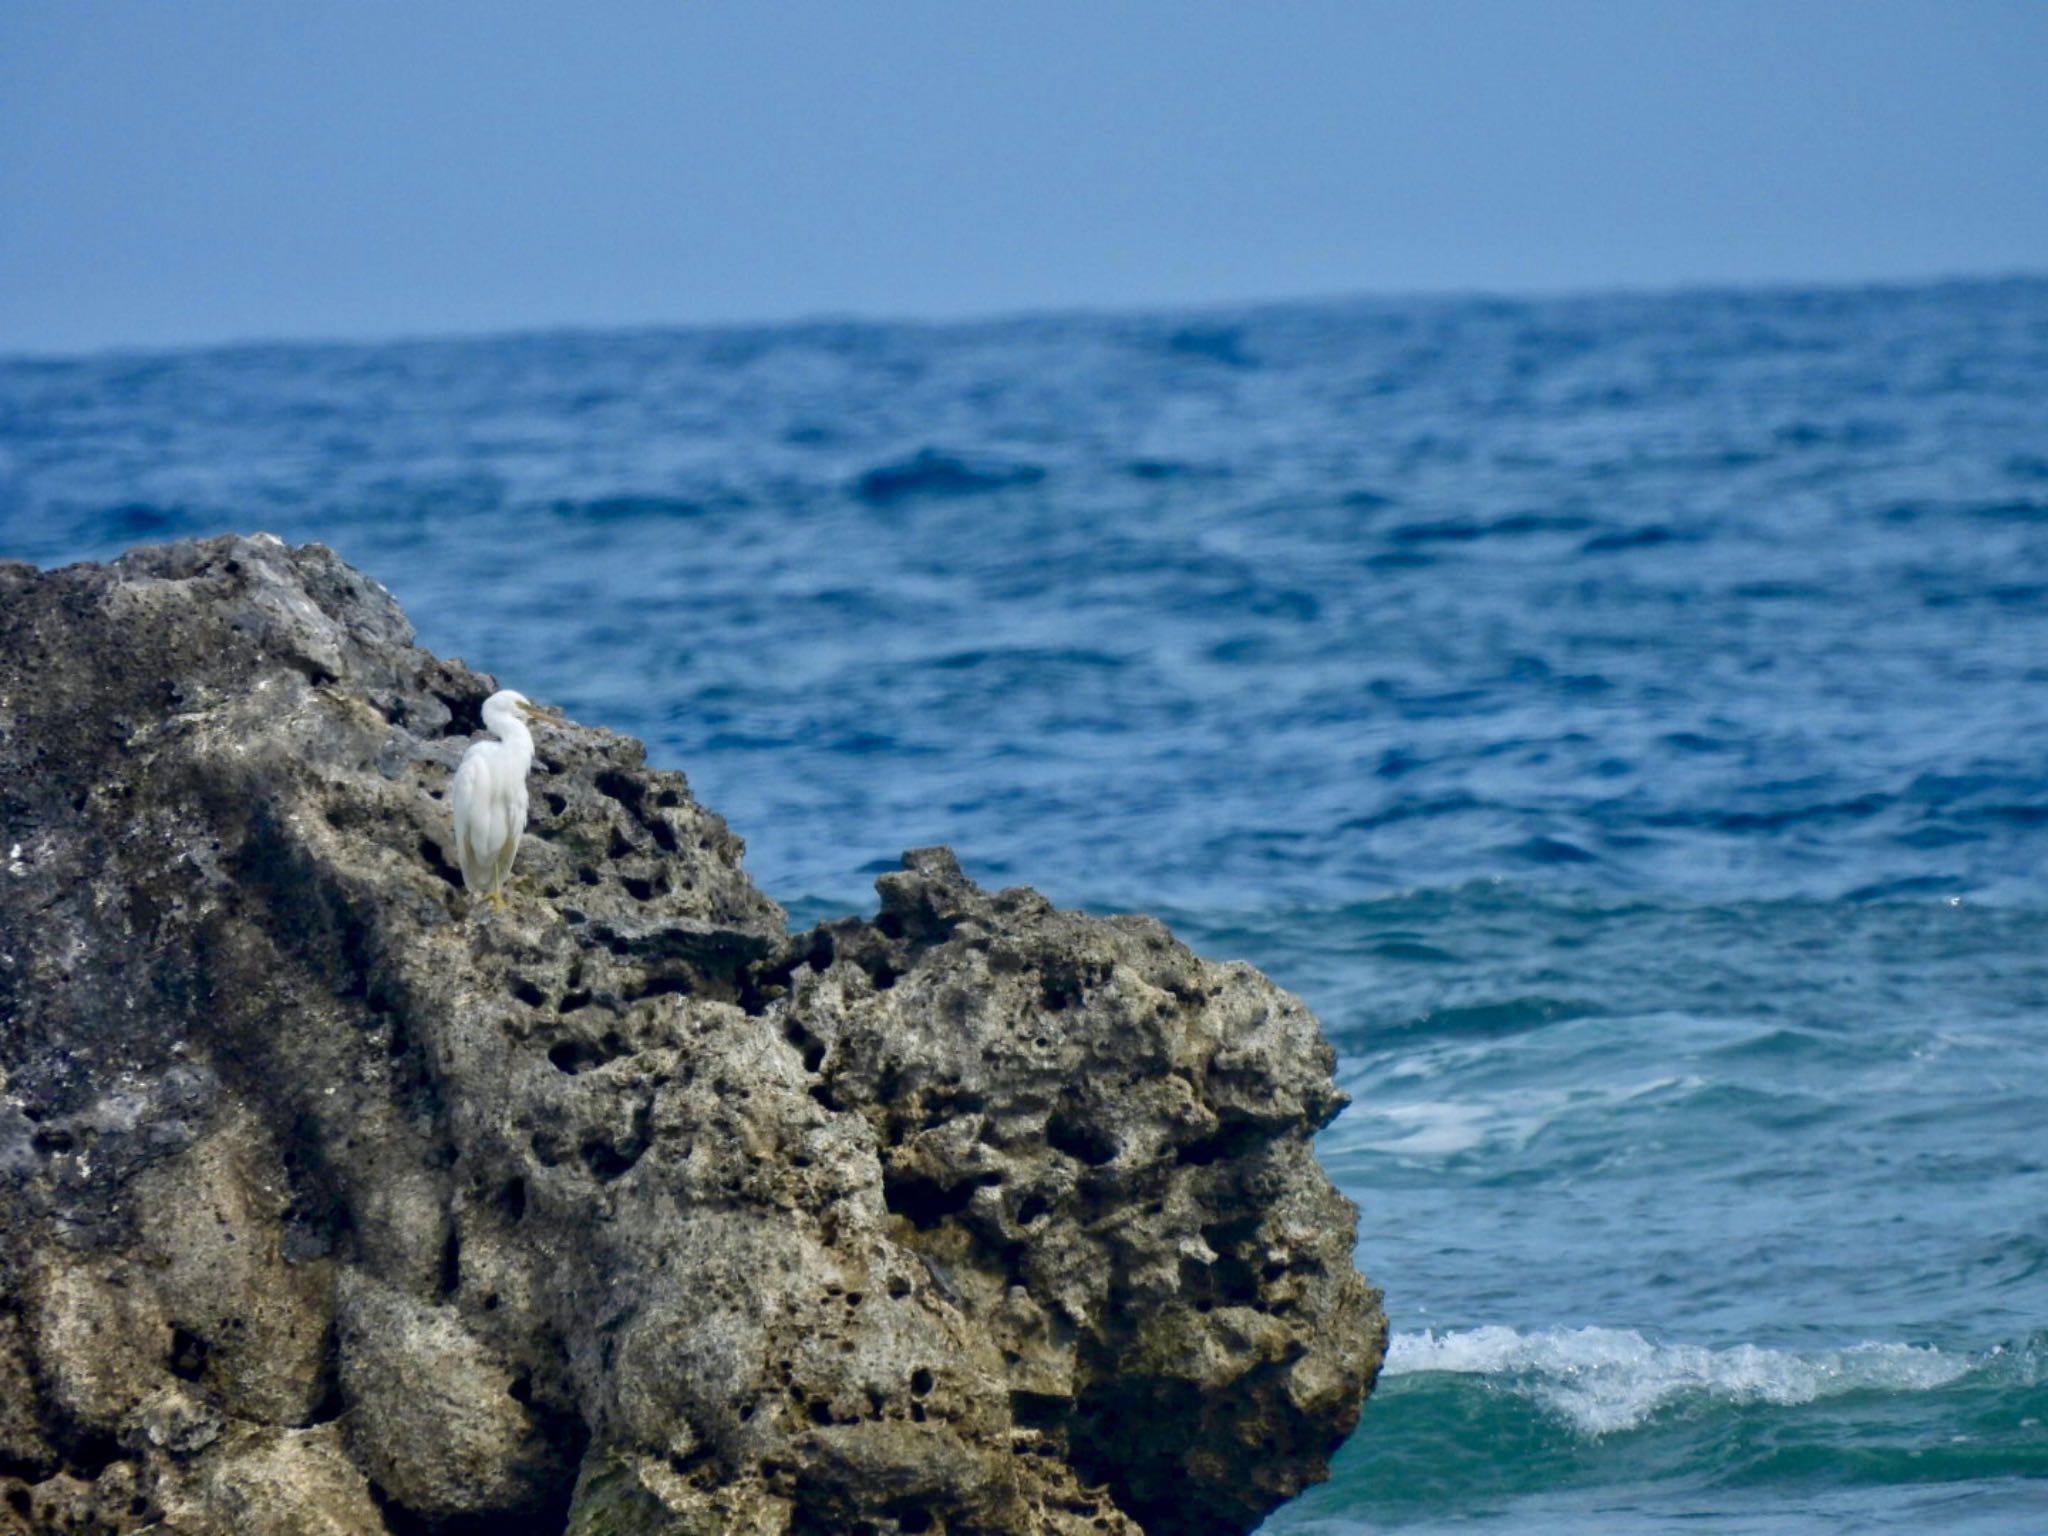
{"x": 332, "y": 1204}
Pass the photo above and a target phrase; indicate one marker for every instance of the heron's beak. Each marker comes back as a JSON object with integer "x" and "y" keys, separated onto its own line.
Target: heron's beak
{"x": 542, "y": 712}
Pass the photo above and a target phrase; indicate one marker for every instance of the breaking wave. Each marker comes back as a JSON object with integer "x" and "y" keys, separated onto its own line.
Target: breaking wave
{"x": 1604, "y": 1380}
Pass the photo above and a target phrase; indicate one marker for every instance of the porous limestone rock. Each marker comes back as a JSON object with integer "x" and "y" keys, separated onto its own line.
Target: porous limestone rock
{"x": 330, "y": 1204}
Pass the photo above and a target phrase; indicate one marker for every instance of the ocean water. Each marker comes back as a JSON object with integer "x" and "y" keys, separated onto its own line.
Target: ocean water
{"x": 1624, "y": 719}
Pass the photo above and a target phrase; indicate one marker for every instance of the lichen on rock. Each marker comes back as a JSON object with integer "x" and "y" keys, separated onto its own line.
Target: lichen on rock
{"x": 329, "y": 1205}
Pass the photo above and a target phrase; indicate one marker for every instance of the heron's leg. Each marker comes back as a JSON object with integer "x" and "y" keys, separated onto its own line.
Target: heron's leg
{"x": 497, "y": 900}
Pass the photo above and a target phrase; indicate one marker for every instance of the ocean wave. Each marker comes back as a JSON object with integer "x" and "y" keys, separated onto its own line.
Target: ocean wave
{"x": 1466, "y": 530}
{"x": 1603, "y": 1381}
{"x": 632, "y": 508}
{"x": 1437, "y": 1128}
{"x": 1213, "y": 343}
{"x": 1634, "y": 538}
{"x": 932, "y": 473}
{"x": 143, "y": 522}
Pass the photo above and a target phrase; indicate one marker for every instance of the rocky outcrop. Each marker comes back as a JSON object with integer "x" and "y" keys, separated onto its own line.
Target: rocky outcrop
{"x": 331, "y": 1205}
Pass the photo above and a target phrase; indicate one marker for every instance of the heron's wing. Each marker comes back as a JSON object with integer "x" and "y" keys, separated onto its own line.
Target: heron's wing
{"x": 511, "y": 828}
{"x": 470, "y": 800}
{"x": 508, "y": 850}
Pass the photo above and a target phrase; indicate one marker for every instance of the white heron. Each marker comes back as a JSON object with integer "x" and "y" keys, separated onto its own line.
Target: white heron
{"x": 489, "y": 798}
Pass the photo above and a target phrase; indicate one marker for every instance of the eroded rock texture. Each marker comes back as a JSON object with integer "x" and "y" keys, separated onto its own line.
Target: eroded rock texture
{"x": 328, "y": 1205}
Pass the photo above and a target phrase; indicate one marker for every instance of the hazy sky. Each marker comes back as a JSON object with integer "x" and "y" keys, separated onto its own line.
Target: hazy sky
{"x": 212, "y": 169}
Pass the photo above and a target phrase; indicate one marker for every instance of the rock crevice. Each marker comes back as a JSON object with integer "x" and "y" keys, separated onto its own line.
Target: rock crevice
{"x": 329, "y": 1205}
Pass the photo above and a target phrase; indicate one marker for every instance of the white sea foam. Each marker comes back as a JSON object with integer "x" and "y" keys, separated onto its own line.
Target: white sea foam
{"x": 1432, "y": 1128}
{"x": 1428, "y": 1130}
{"x": 1606, "y": 1379}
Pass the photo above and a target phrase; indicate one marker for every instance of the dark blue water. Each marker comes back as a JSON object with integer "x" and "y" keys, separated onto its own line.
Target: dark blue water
{"x": 1624, "y": 719}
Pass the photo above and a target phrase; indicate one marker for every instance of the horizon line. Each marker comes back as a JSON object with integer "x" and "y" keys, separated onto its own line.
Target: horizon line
{"x": 1023, "y": 314}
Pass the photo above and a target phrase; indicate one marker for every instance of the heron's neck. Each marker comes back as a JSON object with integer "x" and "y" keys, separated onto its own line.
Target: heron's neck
{"x": 513, "y": 732}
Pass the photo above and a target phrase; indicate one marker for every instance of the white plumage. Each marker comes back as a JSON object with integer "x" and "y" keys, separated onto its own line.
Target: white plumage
{"x": 489, "y": 798}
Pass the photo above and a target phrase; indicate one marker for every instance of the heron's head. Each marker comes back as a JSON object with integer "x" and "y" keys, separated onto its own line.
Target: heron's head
{"x": 509, "y": 703}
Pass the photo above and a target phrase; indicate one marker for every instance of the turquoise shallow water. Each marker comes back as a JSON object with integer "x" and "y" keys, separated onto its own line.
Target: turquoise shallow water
{"x": 1719, "y": 1212}
{"x": 1625, "y": 720}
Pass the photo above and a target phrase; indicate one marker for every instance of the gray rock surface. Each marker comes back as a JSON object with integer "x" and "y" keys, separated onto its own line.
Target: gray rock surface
{"x": 330, "y": 1205}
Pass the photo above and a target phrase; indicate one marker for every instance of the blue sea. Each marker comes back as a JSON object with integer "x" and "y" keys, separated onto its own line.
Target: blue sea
{"x": 1624, "y": 719}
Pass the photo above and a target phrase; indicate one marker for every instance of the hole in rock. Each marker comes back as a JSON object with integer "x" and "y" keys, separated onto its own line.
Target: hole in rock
{"x": 557, "y": 804}
{"x": 606, "y": 1161}
{"x": 572, "y": 1056}
{"x": 628, "y": 791}
{"x": 529, "y": 994}
{"x": 945, "y": 1104}
{"x": 188, "y": 1355}
{"x": 920, "y": 1382}
{"x": 1227, "y": 1142}
{"x": 512, "y": 1200}
{"x": 451, "y": 1262}
{"x": 638, "y": 889}
{"x": 1232, "y": 1277}
{"x": 465, "y": 714}
{"x": 91, "y": 1454}
{"x": 1039, "y": 1410}
{"x": 926, "y": 1202}
{"x": 1068, "y": 1134}
{"x": 1236, "y": 1284}
{"x": 1225, "y": 1236}
{"x": 437, "y": 861}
